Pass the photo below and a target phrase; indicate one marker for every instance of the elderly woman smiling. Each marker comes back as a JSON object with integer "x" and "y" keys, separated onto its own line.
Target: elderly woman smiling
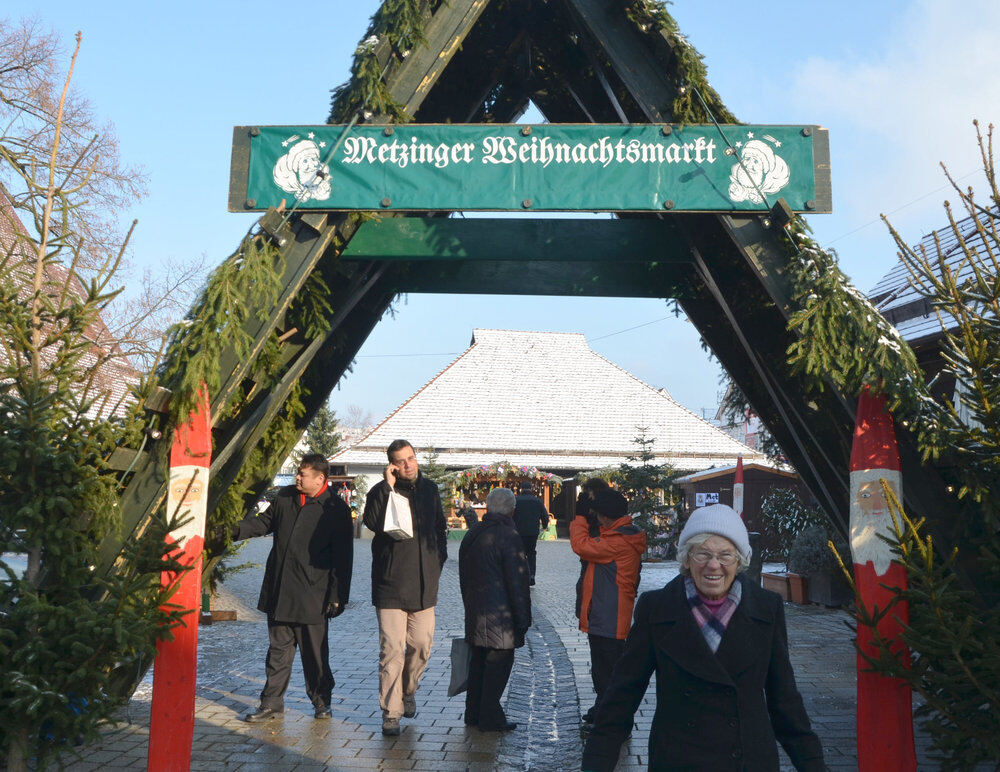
{"x": 725, "y": 692}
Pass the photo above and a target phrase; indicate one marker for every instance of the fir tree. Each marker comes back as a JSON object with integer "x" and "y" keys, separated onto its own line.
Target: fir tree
{"x": 434, "y": 470}
{"x": 650, "y": 493}
{"x": 321, "y": 435}
{"x": 66, "y": 627}
{"x": 954, "y": 633}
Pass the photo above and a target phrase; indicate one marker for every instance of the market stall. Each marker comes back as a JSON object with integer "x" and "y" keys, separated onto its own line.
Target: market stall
{"x": 470, "y": 487}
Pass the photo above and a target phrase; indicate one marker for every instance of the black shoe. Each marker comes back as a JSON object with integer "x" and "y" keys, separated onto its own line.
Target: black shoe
{"x": 505, "y": 727}
{"x": 323, "y": 711}
{"x": 262, "y": 714}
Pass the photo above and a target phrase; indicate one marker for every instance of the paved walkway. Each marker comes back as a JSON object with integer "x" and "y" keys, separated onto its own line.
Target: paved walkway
{"x": 550, "y": 683}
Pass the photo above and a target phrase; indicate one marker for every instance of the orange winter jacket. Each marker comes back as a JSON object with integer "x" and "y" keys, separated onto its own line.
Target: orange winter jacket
{"x": 611, "y": 578}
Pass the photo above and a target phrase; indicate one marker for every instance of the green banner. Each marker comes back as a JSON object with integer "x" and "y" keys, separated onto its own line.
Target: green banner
{"x": 555, "y": 167}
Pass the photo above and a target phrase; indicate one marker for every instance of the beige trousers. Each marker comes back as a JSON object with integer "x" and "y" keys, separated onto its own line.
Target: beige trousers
{"x": 405, "y": 639}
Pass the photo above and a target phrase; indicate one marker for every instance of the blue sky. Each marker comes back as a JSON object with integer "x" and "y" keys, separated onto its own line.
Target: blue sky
{"x": 897, "y": 84}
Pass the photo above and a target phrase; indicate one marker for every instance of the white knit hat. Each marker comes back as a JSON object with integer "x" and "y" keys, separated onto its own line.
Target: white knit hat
{"x": 720, "y": 520}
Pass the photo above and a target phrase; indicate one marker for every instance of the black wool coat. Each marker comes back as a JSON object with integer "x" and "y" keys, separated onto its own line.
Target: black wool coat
{"x": 493, "y": 575}
{"x": 311, "y": 559}
{"x": 405, "y": 573}
{"x": 715, "y": 712}
{"x": 530, "y": 516}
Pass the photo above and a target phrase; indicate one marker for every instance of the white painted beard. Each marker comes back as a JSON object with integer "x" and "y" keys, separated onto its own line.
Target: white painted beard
{"x": 865, "y": 542}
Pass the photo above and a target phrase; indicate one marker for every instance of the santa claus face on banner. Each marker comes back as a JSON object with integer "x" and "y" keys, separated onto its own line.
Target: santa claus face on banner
{"x": 870, "y": 516}
{"x": 186, "y": 498}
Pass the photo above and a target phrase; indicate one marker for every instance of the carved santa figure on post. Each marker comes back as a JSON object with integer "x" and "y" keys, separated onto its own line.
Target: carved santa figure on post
{"x": 885, "y": 715}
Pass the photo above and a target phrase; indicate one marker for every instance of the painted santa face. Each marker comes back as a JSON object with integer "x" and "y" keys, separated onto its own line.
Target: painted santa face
{"x": 870, "y": 516}
{"x": 871, "y": 499}
{"x": 186, "y": 490}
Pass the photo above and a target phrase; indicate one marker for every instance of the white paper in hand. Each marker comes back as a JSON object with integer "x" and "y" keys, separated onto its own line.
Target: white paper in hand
{"x": 398, "y": 521}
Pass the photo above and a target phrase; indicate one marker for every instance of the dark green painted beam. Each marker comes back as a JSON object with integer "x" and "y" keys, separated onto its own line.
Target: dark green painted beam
{"x": 515, "y": 239}
{"x": 504, "y": 277}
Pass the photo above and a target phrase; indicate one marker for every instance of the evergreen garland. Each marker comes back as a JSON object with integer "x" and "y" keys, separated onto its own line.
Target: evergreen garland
{"x": 250, "y": 279}
{"x": 687, "y": 73}
{"x": 401, "y": 24}
{"x": 841, "y": 338}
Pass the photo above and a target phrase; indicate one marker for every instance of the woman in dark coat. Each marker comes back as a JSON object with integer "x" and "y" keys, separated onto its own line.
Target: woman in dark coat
{"x": 493, "y": 575}
{"x": 725, "y": 691}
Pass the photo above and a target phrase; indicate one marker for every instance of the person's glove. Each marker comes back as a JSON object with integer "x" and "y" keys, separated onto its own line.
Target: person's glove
{"x": 333, "y": 609}
{"x": 518, "y": 640}
{"x": 215, "y": 540}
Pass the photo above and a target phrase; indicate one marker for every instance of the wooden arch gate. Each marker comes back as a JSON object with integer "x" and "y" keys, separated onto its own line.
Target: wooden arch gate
{"x": 728, "y": 272}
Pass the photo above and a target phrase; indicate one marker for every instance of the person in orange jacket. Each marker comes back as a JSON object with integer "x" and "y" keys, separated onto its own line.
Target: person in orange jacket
{"x": 610, "y": 582}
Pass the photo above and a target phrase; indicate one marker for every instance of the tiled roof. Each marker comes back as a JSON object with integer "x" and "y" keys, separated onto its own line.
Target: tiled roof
{"x": 543, "y": 399}
{"x": 903, "y": 305}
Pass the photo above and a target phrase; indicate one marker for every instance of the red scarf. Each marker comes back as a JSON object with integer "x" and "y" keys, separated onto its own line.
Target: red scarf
{"x": 303, "y": 497}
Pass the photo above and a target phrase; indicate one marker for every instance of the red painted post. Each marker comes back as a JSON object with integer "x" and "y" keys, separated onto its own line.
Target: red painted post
{"x": 175, "y": 669}
{"x": 885, "y": 714}
{"x": 738, "y": 486}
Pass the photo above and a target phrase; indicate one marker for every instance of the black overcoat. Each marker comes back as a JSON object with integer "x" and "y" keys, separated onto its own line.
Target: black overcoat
{"x": 405, "y": 573}
{"x": 530, "y": 516}
{"x": 493, "y": 575}
{"x": 716, "y": 712}
{"x": 311, "y": 559}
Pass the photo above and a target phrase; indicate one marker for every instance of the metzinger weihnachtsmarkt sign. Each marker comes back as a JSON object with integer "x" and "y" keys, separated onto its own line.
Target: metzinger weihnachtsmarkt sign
{"x": 502, "y": 167}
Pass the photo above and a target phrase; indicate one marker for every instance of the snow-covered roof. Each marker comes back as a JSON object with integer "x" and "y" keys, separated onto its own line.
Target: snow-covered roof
{"x": 720, "y": 471}
{"x": 899, "y": 300}
{"x": 543, "y": 399}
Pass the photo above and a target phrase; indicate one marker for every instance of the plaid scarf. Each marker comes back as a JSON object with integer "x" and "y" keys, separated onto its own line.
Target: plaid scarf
{"x": 712, "y": 625}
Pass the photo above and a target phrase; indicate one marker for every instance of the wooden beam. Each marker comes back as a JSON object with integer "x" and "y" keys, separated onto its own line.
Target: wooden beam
{"x": 505, "y": 277}
{"x": 608, "y": 27}
{"x": 445, "y": 31}
{"x": 515, "y": 239}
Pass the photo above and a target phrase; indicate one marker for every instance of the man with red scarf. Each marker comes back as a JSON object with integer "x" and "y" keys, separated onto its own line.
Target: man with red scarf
{"x": 307, "y": 582}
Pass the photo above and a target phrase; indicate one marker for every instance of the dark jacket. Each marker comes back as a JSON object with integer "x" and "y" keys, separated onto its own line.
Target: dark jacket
{"x": 718, "y": 711}
{"x": 405, "y": 573}
{"x": 311, "y": 558}
{"x": 612, "y": 563}
{"x": 493, "y": 575}
{"x": 530, "y": 516}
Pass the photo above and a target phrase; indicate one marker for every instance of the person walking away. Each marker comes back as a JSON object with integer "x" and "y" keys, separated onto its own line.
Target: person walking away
{"x": 530, "y": 519}
{"x": 493, "y": 575}
{"x": 612, "y": 561}
{"x": 405, "y": 575}
{"x": 307, "y": 581}
{"x": 725, "y": 691}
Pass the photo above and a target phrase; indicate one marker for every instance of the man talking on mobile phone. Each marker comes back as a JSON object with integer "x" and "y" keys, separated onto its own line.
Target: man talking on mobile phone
{"x": 405, "y": 576}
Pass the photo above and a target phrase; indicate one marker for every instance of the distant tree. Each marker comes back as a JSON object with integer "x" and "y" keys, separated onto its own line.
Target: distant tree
{"x": 784, "y": 517}
{"x": 41, "y": 126}
{"x": 356, "y": 417}
{"x": 650, "y": 492}
{"x": 322, "y": 435}
{"x": 433, "y": 470}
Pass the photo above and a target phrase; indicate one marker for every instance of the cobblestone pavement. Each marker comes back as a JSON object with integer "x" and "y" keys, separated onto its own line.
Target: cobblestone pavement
{"x": 549, "y": 685}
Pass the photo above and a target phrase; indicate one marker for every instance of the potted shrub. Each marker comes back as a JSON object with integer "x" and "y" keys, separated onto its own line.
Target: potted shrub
{"x": 811, "y": 557}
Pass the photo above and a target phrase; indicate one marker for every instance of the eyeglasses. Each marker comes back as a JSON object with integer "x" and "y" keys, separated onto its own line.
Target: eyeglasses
{"x": 701, "y": 557}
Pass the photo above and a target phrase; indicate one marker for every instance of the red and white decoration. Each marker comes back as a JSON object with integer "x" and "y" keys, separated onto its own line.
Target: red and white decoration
{"x": 885, "y": 717}
{"x": 738, "y": 486}
{"x": 175, "y": 670}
